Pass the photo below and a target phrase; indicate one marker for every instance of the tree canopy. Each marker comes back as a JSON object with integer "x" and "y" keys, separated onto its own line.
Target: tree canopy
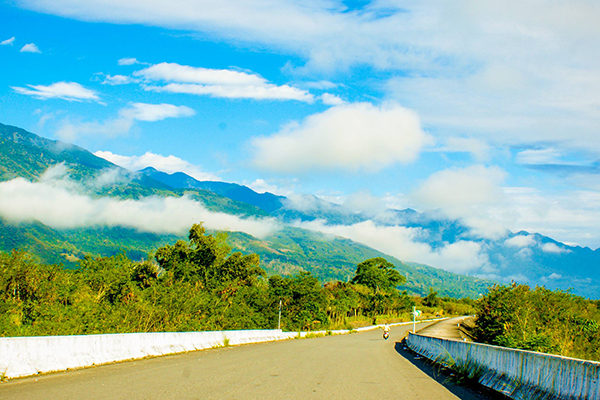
{"x": 378, "y": 274}
{"x": 193, "y": 285}
{"x": 540, "y": 320}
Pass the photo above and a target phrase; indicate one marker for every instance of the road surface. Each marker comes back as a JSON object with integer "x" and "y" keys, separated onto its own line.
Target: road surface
{"x": 356, "y": 366}
{"x": 447, "y": 328}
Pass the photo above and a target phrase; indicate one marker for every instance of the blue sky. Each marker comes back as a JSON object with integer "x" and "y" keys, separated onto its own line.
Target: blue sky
{"x": 486, "y": 112}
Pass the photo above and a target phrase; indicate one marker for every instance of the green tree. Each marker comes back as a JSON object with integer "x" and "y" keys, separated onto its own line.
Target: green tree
{"x": 431, "y": 300}
{"x": 378, "y": 274}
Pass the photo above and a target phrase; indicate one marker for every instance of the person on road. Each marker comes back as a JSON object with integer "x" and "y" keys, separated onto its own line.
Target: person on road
{"x": 386, "y": 331}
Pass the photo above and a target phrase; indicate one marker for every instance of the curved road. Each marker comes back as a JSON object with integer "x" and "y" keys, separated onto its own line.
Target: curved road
{"x": 356, "y": 366}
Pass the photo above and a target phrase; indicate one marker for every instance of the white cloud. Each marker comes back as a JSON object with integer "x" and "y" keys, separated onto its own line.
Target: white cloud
{"x": 403, "y": 243}
{"x": 123, "y": 123}
{"x": 30, "y": 48}
{"x": 511, "y": 72}
{"x": 156, "y": 112}
{"x": 128, "y": 61}
{"x": 472, "y": 194}
{"x": 218, "y": 83}
{"x": 8, "y": 42}
{"x": 262, "y": 186}
{"x": 569, "y": 217}
{"x": 331, "y": 99}
{"x": 168, "y": 164}
{"x": 479, "y": 149}
{"x": 61, "y": 205}
{"x": 520, "y": 241}
{"x": 351, "y": 136}
{"x": 539, "y": 156}
{"x": 70, "y": 91}
{"x": 526, "y": 253}
{"x": 114, "y": 80}
{"x": 171, "y": 72}
{"x": 268, "y": 92}
{"x": 320, "y": 85}
{"x": 324, "y": 32}
{"x": 553, "y": 248}
{"x": 364, "y": 202}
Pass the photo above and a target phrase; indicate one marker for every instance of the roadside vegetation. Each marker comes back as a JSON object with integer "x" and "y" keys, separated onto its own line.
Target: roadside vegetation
{"x": 539, "y": 319}
{"x": 196, "y": 285}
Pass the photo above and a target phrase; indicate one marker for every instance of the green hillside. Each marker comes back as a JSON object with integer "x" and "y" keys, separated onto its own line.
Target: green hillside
{"x": 26, "y": 155}
{"x": 335, "y": 258}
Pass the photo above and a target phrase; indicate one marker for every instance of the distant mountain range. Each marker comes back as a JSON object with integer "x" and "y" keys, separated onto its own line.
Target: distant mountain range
{"x": 524, "y": 257}
{"x": 178, "y": 180}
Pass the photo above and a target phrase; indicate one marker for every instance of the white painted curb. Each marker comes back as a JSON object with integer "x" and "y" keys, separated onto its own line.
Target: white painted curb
{"x": 24, "y": 356}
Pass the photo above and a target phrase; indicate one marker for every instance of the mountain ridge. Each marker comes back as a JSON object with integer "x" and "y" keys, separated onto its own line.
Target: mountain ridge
{"x": 287, "y": 250}
{"x": 536, "y": 259}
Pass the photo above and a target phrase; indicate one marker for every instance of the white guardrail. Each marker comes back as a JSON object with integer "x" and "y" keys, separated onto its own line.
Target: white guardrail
{"x": 518, "y": 374}
{"x": 23, "y": 356}
{"x": 31, "y": 355}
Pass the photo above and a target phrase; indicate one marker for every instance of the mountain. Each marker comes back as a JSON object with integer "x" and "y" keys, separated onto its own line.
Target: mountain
{"x": 179, "y": 180}
{"x": 281, "y": 207}
{"x": 26, "y": 155}
{"x": 522, "y": 256}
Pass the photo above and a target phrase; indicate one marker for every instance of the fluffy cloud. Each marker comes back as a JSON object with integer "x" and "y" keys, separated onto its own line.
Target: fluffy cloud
{"x": 218, "y": 83}
{"x": 512, "y": 71}
{"x": 403, "y": 243}
{"x": 60, "y": 205}
{"x": 123, "y": 123}
{"x": 168, "y": 164}
{"x": 128, "y": 61}
{"x": 171, "y": 72}
{"x": 331, "y": 99}
{"x": 350, "y": 136}
{"x": 70, "y": 91}
{"x": 459, "y": 189}
{"x": 520, "y": 241}
{"x": 570, "y": 217}
{"x": 261, "y": 186}
{"x": 476, "y": 196}
{"x": 553, "y": 248}
{"x": 114, "y": 80}
{"x": 156, "y": 112}
{"x": 539, "y": 156}
{"x": 8, "y": 42}
{"x": 469, "y": 194}
{"x": 269, "y": 92}
{"x": 30, "y": 48}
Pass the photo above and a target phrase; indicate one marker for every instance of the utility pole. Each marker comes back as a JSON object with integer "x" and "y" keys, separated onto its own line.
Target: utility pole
{"x": 279, "y": 323}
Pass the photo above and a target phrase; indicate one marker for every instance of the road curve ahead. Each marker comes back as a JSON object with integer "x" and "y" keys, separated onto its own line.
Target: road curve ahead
{"x": 356, "y": 366}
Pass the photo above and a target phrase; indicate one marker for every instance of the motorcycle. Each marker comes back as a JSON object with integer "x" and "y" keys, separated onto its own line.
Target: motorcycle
{"x": 386, "y": 335}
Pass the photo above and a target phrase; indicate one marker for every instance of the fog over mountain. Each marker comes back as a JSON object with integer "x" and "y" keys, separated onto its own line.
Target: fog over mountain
{"x": 427, "y": 238}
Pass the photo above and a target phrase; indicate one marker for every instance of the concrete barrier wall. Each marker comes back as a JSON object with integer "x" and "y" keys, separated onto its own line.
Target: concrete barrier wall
{"x": 23, "y": 356}
{"x": 518, "y": 374}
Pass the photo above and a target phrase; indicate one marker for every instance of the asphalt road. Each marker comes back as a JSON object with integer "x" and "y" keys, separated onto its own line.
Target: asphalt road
{"x": 356, "y": 366}
{"x": 446, "y": 329}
